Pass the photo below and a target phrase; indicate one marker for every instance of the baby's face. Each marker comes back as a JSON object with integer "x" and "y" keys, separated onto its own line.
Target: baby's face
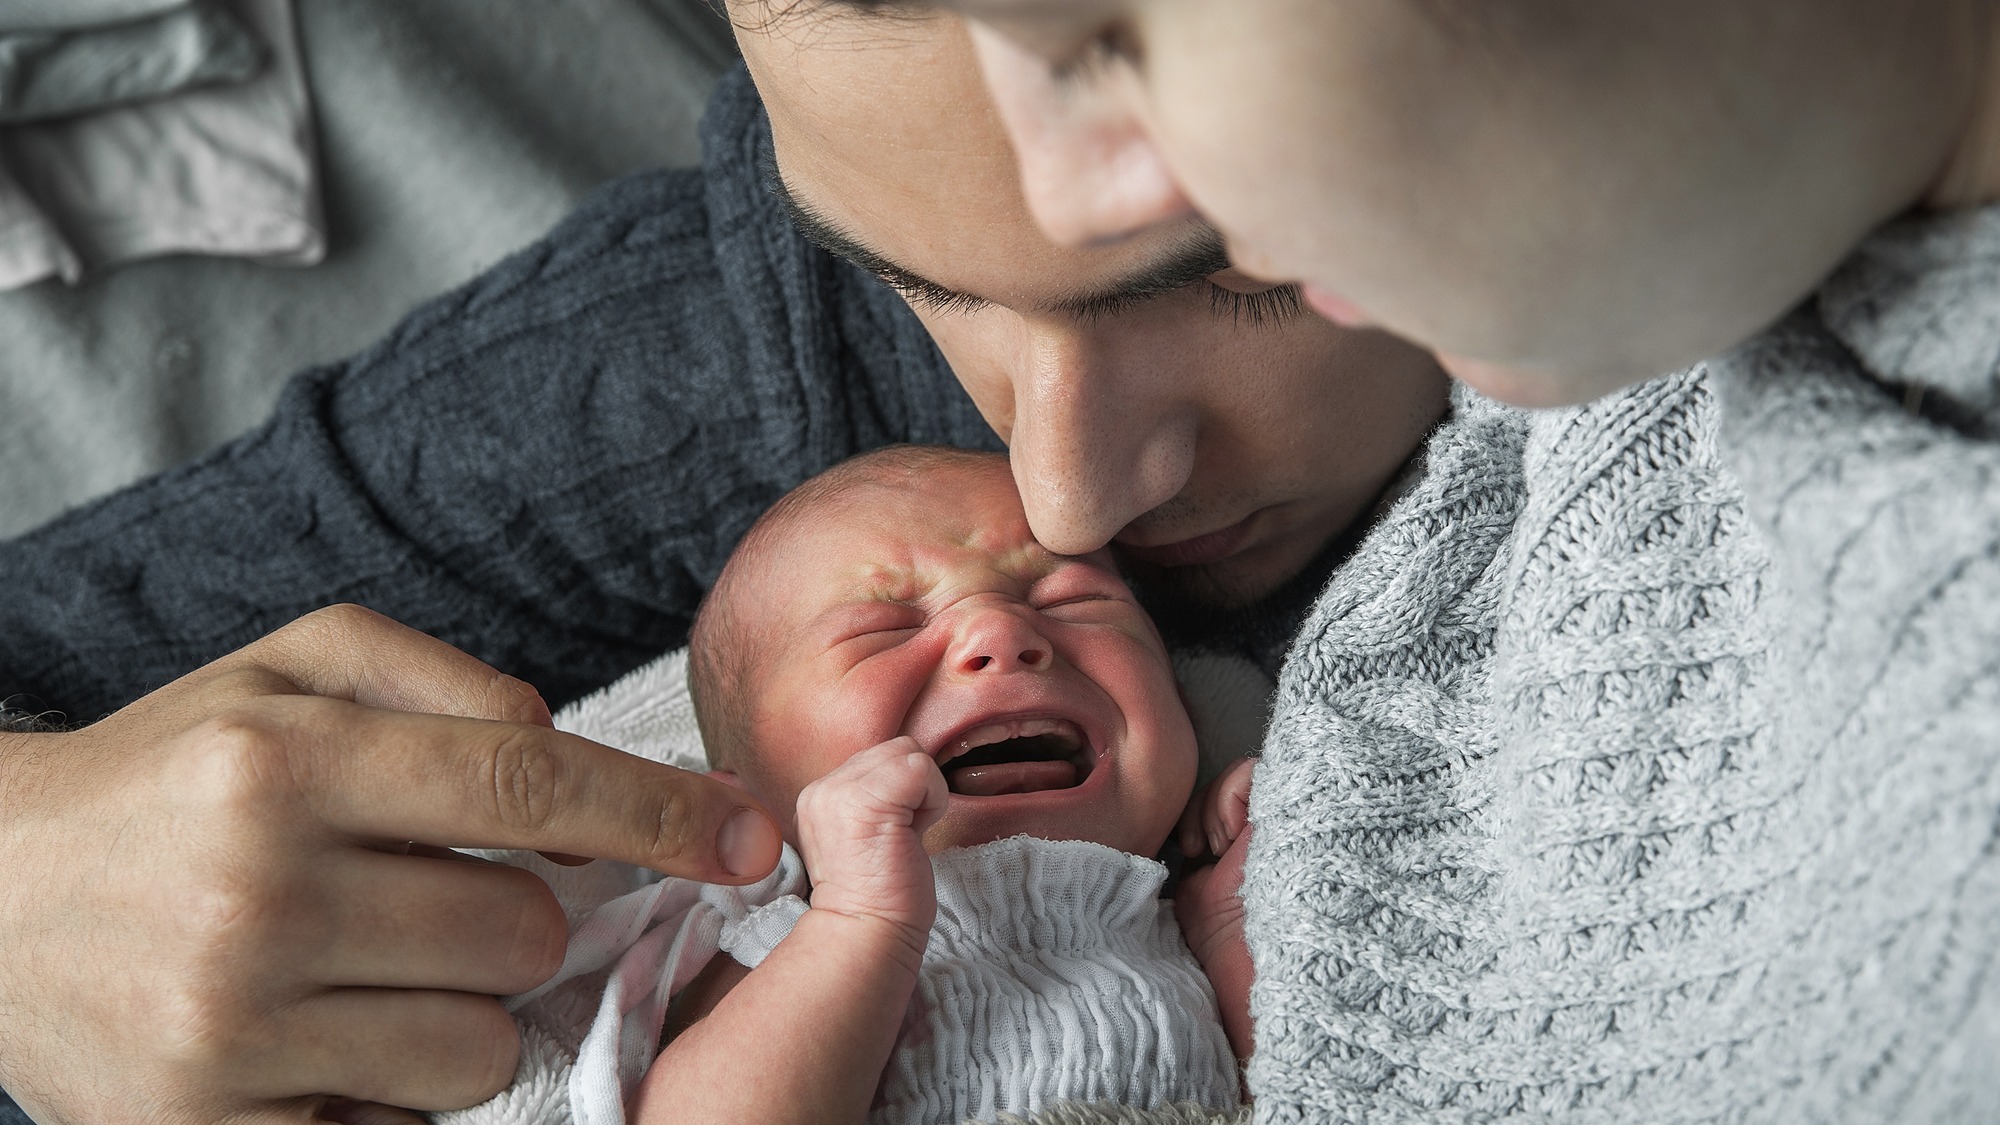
{"x": 1035, "y": 680}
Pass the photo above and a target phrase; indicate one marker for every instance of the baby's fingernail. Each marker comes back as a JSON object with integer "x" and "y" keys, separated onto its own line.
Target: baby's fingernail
{"x": 747, "y": 844}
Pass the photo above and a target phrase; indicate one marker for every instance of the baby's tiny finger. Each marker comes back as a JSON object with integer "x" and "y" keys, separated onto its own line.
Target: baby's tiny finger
{"x": 1215, "y": 821}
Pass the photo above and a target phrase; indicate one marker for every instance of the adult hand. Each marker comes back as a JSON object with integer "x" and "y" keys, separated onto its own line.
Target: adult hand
{"x": 227, "y": 901}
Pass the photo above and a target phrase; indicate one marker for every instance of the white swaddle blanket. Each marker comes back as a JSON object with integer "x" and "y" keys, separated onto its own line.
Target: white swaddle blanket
{"x": 1055, "y": 972}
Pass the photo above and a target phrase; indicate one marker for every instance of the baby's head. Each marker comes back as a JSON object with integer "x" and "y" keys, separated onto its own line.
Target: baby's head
{"x": 901, "y": 593}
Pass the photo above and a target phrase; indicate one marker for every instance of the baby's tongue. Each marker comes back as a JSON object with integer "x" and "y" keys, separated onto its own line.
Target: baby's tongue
{"x": 1011, "y": 777}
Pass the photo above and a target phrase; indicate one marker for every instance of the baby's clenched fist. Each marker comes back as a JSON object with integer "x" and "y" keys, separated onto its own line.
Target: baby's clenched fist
{"x": 861, "y": 833}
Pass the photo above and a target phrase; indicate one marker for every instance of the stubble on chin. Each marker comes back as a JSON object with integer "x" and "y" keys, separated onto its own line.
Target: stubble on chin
{"x": 1211, "y": 607}
{"x": 1193, "y": 589}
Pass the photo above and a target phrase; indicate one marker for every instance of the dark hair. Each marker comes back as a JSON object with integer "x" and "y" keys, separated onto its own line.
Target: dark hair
{"x": 19, "y": 715}
{"x": 725, "y": 650}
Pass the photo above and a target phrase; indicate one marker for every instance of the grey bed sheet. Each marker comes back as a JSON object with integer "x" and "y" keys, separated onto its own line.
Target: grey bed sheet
{"x": 451, "y": 132}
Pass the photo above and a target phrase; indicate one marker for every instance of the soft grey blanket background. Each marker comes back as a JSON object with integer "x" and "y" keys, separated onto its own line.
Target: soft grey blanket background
{"x": 451, "y": 132}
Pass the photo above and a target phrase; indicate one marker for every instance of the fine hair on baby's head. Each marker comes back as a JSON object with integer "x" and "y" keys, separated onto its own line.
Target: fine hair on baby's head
{"x": 728, "y": 643}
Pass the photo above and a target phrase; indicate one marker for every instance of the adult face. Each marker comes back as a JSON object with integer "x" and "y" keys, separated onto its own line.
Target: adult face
{"x": 928, "y": 609}
{"x": 1559, "y": 196}
{"x": 1147, "y": 393}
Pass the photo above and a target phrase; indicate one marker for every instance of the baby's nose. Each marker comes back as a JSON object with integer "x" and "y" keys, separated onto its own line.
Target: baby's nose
{"x": 995, "y": 640}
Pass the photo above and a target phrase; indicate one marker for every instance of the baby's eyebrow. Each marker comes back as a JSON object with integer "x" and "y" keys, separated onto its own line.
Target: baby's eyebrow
{"x": 883, "y": 583}
{"x": 880, "y": 583}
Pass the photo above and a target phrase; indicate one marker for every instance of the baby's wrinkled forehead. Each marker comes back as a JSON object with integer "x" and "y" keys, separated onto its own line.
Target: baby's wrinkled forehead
{"x": 930, "y": 560}
{"x": 894, "y": 533}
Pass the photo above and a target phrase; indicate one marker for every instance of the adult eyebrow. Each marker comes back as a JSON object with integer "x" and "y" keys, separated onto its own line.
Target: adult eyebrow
{"x": 1200, "y": 255}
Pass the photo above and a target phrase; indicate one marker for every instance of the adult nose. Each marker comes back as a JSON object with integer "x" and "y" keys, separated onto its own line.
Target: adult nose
{"x": 1089, "y": 170}
{"x": 993, "y": 639}
{"x": 1098, "y": 437}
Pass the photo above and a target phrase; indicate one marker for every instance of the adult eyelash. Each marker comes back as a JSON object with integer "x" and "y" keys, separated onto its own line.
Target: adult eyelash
{"x": 1270, "y": 306}
{"x": 936, "y": 302}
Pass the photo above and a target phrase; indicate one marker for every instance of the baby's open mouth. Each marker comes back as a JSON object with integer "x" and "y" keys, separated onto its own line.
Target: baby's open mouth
{"x": 1016, "y": 756}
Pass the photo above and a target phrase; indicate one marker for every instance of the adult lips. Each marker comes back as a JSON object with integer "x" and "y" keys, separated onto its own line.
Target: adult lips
{"x": 1197, "y": 551}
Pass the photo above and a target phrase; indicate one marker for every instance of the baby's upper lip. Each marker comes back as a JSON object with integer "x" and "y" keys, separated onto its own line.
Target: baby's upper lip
{"x": 1021, "y": 709}
{"x": 987, "y": 731}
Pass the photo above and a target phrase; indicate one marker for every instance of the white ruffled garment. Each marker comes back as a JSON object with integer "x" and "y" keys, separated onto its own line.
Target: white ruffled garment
{"x": 1055, "y": 971}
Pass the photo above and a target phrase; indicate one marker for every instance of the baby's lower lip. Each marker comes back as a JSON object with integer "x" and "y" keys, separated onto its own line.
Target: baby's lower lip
{"x": 1198, "y": 551}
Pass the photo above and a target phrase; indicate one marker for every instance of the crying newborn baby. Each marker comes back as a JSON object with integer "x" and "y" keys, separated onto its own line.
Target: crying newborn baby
{"x": 977, "y": 747}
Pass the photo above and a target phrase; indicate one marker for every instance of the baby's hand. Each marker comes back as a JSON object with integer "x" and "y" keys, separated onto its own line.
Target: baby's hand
{"x": 861, "y": 833}
{"x": 1207, "y": 903}
{"x": 1218, "y": 812}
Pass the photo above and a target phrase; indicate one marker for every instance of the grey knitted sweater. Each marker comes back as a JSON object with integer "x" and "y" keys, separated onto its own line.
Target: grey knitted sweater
{"x": 1644, "y": 763}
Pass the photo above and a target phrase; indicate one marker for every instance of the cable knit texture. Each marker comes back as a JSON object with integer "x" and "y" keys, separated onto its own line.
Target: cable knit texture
{"x": 1641, "y": 766}
{"x": 1100, "y": 1113}
{"x": 545, "y": 467}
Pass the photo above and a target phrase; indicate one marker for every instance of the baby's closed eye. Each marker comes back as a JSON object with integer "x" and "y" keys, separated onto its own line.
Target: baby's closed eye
{"x": 876, "y": 621}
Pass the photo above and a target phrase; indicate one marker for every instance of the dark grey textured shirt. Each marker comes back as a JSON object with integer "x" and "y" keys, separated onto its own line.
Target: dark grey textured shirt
{"x": 545, "y": 468}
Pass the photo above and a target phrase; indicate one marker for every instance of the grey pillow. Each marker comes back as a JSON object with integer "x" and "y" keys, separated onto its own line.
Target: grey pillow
{"x": 52, "y": 73}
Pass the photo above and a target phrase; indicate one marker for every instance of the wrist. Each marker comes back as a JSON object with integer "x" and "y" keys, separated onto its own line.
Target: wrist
{"x": 876, "y": 937}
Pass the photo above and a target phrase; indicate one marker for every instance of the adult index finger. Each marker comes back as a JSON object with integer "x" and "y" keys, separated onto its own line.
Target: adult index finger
{"x": 440, "y": 779}
{"x": 351, "y": 652}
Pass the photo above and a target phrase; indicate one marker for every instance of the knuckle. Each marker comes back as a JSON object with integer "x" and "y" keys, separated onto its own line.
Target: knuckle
{"x": 672, "y": 825}
{"x": 514, "y": 701}
{"x": 241, "y": 760}
{"x": 329, "y": 629}
{"x": 243, "y": 679}
{"x": 199, "y": 1029}
{"x": 525, "y": 776}
{"x": 812, "y": 806}
{"x": 318, "y": 630}
{"x": 343, "y": 619}
{"x": 489, "y": 1052}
